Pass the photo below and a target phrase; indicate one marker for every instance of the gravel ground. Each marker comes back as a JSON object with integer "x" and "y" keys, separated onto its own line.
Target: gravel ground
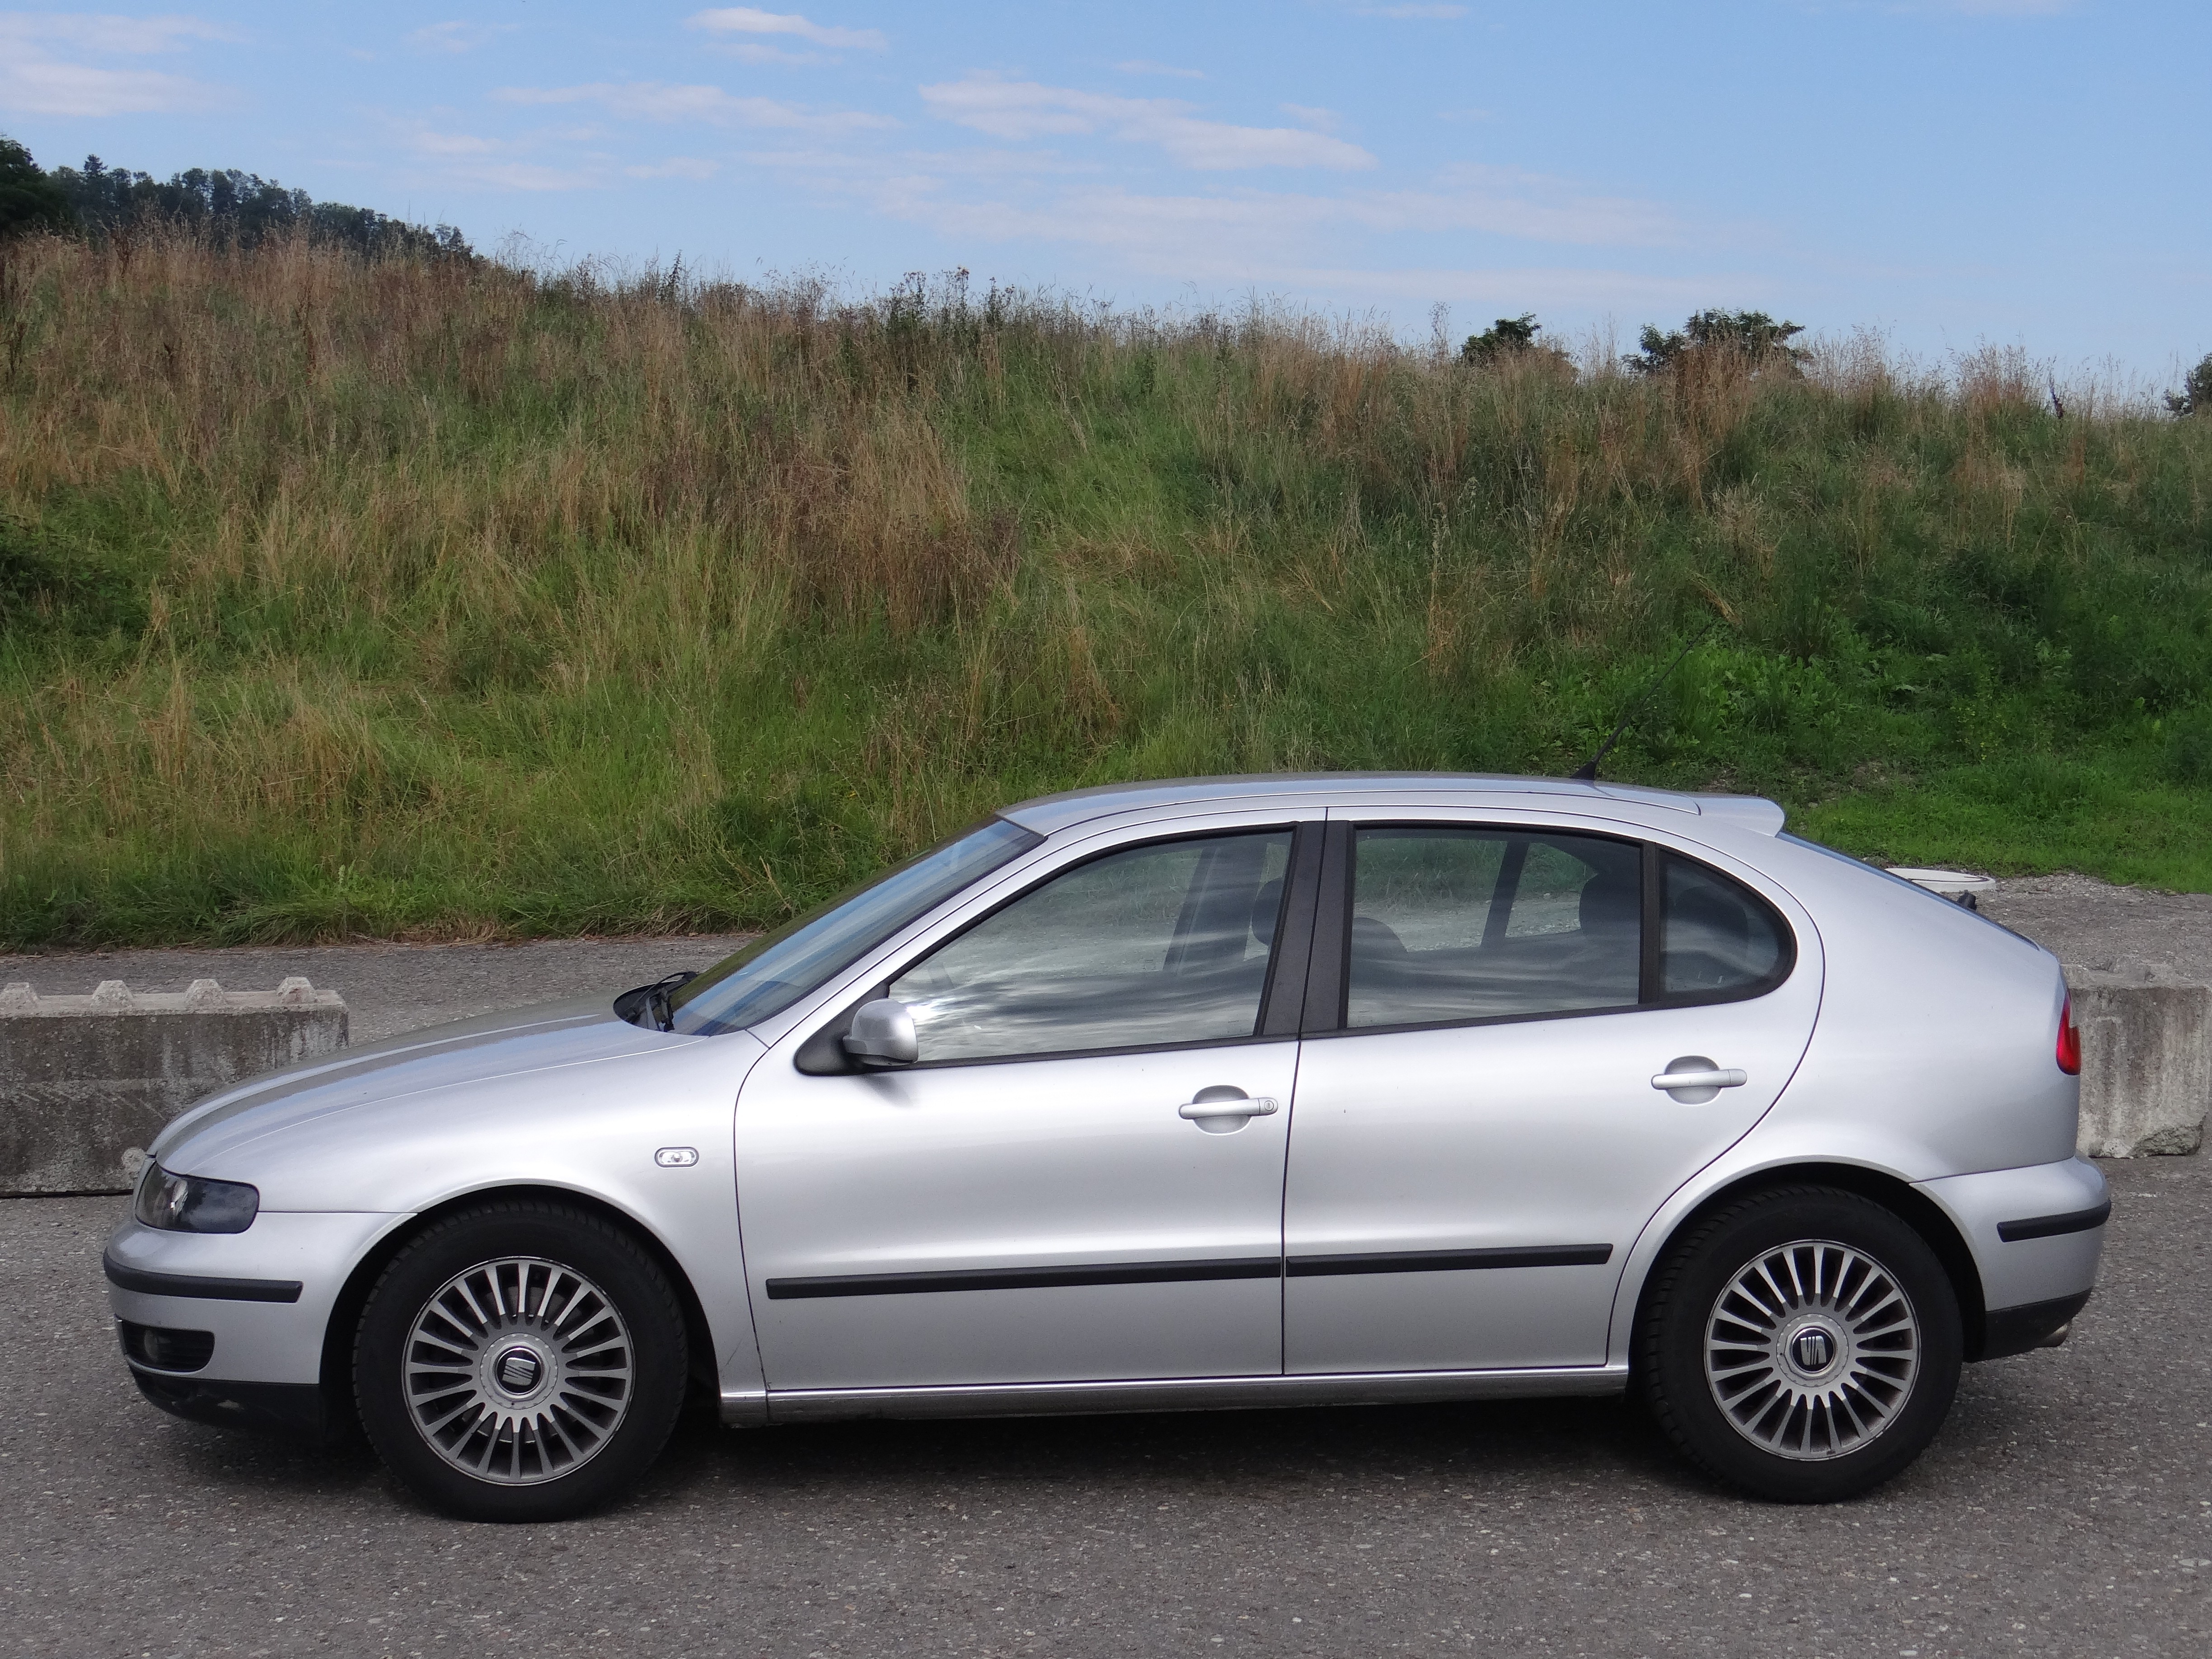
{"x": 2098, "y": 925}
{"x": 2066, "y": 1510}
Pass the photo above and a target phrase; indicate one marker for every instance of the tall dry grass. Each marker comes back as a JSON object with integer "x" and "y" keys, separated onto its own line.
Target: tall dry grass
{"x": 436, "y": 597}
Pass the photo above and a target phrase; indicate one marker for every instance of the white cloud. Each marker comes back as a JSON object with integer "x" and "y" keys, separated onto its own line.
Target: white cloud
{"x": 676, "y": 167}
{"x": 1019, "y": 111}
{"x": 90, "y": 32}
{"x": 530, "y": 175}
{"x": 1301, "y": 237}
{"x": 471, "y": 159}
{"x": 34, "y": 81}
{"x": 750, "y": 19}
{"x": 1311, "y": 115}
{"x": 1262, "y": 237}
{"x": 456, "y": 37}
{"x": 751, "y": 52}
{"x": 1958, "y": 8}
{"x": 1531, "y": 206}
{"x": 655, "y": 100}
{"x": 1146, "y": 66}
{"x": 41, "y": 87}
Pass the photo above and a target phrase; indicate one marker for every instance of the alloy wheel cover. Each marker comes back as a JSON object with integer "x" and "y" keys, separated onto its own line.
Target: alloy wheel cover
{"x": 518, "y": 1371}
{"x": 1812, "y": 1350}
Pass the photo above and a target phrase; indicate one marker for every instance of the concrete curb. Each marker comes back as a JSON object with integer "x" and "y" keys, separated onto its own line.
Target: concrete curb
{"x": 2146, "y": 1061}
{"x": 86, "y": 1082}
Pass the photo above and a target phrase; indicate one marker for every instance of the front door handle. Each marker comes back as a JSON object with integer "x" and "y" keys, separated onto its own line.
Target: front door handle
{"x": 1691, "y": 1079}
{"x": 1239, "y": 1106}
{"x": 1706, "y": 1079}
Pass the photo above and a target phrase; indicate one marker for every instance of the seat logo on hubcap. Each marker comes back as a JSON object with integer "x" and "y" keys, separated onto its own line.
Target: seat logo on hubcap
{"x": 1812, "y": 1350}
{"x": 518, "y": 1371}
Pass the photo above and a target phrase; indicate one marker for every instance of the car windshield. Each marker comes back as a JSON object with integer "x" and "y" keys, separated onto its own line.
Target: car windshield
{"x": 778, "y": 969}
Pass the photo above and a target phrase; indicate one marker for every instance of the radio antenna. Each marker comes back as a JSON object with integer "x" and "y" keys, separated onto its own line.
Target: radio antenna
{"x": 1587, "y": 772}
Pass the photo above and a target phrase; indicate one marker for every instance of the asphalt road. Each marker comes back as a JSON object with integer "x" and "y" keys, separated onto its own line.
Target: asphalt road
{"x": 2066, "y": 1510}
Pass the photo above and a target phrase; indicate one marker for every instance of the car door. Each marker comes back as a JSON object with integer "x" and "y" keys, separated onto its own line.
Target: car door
{"x": 1081, "y": 1176}
{"x": 1481, "y": 1132}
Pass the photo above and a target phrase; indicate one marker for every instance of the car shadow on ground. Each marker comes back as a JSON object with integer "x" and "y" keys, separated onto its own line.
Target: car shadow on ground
{"x": 1528, "y": 1446}
{"x": 1538, "y": 1441}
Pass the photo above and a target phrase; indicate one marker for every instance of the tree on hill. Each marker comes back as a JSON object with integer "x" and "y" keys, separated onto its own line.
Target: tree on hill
{"x": 2195, "y": 397}
{"x": 242, "y": 209}
{"x": 1752, "y": 335}
{"x": 29, "y": 199}
{"x": 1508, "y": 337}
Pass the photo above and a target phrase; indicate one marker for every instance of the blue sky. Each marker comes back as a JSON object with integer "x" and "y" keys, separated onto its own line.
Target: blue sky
{"x": 1951, "y": 172}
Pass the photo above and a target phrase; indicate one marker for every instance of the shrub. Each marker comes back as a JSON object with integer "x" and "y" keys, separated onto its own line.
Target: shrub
{"x": 2196, "y": 393}
{"x": 1754, "y": 335}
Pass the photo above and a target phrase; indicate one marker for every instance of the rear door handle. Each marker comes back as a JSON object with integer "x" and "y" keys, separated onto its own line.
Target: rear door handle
{"x": 1263, "y": 1106}
{"x": 1714, "y": 1078}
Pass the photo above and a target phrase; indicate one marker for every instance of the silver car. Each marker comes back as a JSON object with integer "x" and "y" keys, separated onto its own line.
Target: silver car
{"x": 1245, "y": 1091}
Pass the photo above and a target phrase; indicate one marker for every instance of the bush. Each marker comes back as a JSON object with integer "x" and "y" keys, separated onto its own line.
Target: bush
{"x": 2196, "y": 393}
{"x": 1752, "y": 335}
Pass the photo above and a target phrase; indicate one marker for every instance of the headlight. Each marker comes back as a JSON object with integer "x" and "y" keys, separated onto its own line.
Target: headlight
{"x": 186, "y": 1204}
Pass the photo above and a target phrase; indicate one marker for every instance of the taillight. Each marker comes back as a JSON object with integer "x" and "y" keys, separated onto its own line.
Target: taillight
{"x": 2070, "y": 1041}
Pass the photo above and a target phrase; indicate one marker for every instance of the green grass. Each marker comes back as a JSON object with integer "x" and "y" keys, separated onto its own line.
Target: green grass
{"x": 403, "y": 601}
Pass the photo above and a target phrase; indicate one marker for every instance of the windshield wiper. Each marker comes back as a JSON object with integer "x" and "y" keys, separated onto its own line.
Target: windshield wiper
{"x": 653, "y": 1001}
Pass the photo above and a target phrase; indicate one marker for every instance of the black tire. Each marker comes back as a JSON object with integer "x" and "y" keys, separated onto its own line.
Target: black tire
{"x": 582, "y": 1427}
{"x": 1781, "y": 1435}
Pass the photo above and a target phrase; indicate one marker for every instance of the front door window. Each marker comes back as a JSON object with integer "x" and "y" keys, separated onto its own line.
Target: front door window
{"x": 1150, "y": 947}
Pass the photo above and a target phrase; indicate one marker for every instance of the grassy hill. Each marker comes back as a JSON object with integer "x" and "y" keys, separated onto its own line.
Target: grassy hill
{"x": 429, "y": 598}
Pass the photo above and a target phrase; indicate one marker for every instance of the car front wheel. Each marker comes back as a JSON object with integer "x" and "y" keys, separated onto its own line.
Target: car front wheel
{"x": 520, "y": 1361}
{"x": 1803, "y": 1344}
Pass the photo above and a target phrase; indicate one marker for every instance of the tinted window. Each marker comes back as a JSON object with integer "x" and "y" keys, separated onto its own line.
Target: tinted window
{"x": 1160, "y": 944}
{"x": 775, "y": 971}
{"x": 1452, "y": 924}
{"x": 1717, "y": 937}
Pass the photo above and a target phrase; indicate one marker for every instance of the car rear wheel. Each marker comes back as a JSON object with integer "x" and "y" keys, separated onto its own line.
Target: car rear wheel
{"x": 520, "y": 1361}
{"x": 1803, "y": 1344}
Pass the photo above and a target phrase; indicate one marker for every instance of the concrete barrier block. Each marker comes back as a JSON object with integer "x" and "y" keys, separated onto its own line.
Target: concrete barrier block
{"x": 86, "y": 1082}
{"x": 2146, "y": 1061}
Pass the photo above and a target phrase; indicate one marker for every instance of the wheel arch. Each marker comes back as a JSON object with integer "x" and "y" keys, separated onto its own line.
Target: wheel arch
{"x": 337, "y": 1370}
{"x": 1920, "y": 1212}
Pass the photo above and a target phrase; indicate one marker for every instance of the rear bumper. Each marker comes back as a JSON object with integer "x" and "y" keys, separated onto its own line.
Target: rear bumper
{"x": 2008, "y": 1331}
{"x": 2037, "y": 1236}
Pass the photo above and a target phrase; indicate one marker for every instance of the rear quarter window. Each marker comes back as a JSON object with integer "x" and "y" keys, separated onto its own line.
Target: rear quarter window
{"x": 1718, "y": 940}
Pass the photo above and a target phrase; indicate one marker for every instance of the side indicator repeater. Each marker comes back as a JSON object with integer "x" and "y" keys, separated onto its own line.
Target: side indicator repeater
{"x": 676, "y": 1157}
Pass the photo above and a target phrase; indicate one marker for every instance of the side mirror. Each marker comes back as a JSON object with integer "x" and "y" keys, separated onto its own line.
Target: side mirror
{"x": 883, "y": 1034}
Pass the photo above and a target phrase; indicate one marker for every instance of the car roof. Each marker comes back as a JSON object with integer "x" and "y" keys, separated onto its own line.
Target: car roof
{"x": 1047, "y": 814}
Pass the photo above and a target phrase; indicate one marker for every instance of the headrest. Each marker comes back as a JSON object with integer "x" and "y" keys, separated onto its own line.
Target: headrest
{"x": 1611, "y": 903}
{"x": 1266, "y": 905}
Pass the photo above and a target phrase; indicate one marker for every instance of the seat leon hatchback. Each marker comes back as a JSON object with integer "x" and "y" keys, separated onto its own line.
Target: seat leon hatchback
{"x": 1228, "y": 1092}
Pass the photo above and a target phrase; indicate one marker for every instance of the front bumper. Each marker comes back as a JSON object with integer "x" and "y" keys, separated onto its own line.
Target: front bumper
{"x": 2037, "y": 1236}
{"x": 261, "y": 1298}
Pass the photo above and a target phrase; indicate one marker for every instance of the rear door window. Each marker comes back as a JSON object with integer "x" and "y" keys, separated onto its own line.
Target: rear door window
{"x": 1451, "y": 924}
